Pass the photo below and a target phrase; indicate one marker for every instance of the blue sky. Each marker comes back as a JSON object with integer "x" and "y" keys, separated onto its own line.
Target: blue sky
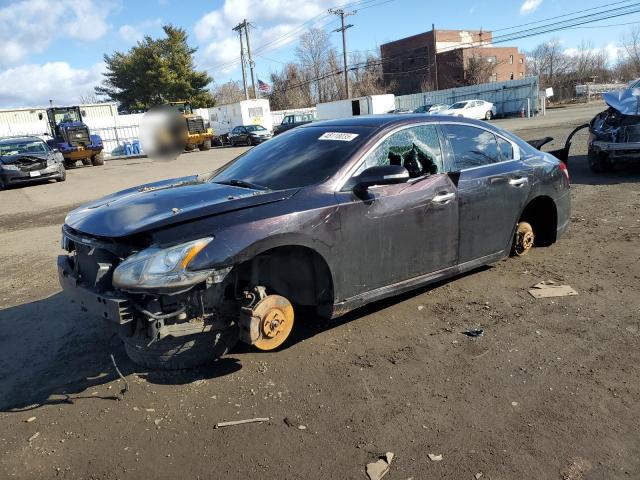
{"x": 56, "y": 51}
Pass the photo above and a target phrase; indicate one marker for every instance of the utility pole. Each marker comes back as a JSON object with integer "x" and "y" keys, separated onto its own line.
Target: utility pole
{"x": 435, "y": 55}
{"x": 238, "y": 28}
{"x": 251, "y": 62}
{"x": 341, "y": 13}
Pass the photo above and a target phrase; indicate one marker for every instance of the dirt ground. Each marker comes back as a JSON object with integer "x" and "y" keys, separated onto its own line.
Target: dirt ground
{"x": 551, "y": 390}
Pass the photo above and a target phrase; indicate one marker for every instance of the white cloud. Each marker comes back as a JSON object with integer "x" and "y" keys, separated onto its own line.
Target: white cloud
{"x": 277, "y": 18}
{"x": 613, "y": 52}
{"x": 136, "y": 32}
{"x": 529, "y": 6}
{"x": 34, "y": 85}
{"x": 29, "y": 26}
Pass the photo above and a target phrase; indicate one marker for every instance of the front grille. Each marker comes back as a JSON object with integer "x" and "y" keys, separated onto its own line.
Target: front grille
{"x": 78, "y": 136}
{"x": 195, "y": 125}
{"x": 31, "y": 164}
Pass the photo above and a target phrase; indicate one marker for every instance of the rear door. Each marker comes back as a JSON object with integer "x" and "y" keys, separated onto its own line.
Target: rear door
{"x": 493, "y": 185}
{"x": 399, "y": 231}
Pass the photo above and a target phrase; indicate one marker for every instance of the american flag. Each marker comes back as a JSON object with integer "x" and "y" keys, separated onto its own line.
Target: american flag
{"x": 263, "y": 87}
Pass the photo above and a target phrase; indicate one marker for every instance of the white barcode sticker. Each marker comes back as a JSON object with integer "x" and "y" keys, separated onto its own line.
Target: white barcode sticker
{"x": 339, "y": 136}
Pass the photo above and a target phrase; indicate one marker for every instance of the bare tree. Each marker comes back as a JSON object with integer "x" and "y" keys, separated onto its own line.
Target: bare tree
{"x": 366, "y": 75}
{"x": 229, "y": 92}
{"x": 290, "y": 88}
{"x": 479, "y": 68}
{"x": 89, "y": 98}
{"x": 630, "y": 64}
{"x": 317, "y": 55}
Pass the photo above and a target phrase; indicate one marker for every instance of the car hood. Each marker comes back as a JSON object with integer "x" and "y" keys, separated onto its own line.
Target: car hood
{"x": 23, "y": 157}
{"x": 168, "y": 202}
{"x": 625, "y": 101}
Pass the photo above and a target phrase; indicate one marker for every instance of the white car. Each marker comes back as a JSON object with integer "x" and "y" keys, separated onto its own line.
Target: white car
{"x": 478, "y": 109}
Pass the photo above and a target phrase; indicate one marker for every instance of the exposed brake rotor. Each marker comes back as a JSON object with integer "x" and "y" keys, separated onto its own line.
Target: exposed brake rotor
{"x": 267, "y": 321}
{"x": 524, "y": 239}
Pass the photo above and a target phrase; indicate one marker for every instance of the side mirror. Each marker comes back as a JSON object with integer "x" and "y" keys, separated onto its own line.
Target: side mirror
{"x": 55, "y": 150}
{"x": 380, "y": 175}
{"x": 40, "y": 116}
{"x": 83, "y": 113}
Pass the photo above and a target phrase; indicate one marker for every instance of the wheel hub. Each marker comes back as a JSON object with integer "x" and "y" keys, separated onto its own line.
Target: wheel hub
{"x": 524, "y": 240}
{"x": 268, "y": 323}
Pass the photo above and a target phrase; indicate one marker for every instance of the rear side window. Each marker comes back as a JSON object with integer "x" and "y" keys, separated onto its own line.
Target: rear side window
{"x": 506, "y": 149}
{"x": 472, "y": 146}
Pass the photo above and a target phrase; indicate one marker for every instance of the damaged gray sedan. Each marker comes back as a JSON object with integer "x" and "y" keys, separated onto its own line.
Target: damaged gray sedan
{"x": 614, "y": 135}
{"x": 329, "y": 216}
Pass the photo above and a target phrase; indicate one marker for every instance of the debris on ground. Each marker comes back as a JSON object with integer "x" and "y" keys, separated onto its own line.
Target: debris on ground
{"x": 435, "y": 457}
{"x": 30, "y": 419}
{"x": 474, "y": 333}
{"x": 377, "y": 470}
{"x": 34, "y": 436}
{"x": 126, "y": 384}
{"x": 302, "y": 427}
{"x": 576, "y": 469}
{"x": 478, "y": 475}
{"x": 240, "y": 422}
{"x": 548, "y": 289}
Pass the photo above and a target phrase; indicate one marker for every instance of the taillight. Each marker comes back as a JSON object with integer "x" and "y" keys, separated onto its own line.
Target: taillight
{"x": 565, "y": 170}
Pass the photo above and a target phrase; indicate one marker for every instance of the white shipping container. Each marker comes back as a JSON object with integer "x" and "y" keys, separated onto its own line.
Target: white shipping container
{"x": 369, "y": 105}
{"x": 247, "y": 112}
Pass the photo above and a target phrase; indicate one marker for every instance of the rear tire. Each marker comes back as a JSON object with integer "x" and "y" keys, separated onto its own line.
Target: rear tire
{"x": 599, "y": 162}
{"x": 489, "y": 115}
{"x": 194, "y": 347}
{"x": 206, "y": 145}
{"x": 97, "y": 160}
{"x": 87, "y": 162}
{"x": 189, "y": 147}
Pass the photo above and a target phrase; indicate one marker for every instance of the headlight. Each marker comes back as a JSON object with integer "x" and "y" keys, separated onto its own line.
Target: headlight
{"x": 8, "y": 167}
{"x": 161, "y": 268}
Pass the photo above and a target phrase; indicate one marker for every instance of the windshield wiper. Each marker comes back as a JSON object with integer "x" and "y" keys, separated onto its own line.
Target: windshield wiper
{"x": 243, "y": 184}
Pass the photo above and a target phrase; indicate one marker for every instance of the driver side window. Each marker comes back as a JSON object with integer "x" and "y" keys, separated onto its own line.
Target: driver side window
{"x": 415, "y": 148}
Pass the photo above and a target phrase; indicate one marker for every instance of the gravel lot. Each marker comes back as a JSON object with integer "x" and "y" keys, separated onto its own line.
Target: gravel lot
{"x": 550, "y": 391}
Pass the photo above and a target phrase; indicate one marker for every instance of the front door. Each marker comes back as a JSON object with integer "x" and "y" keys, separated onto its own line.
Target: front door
{"x": 493, "y": 186}
{"x": 397, "y": 232}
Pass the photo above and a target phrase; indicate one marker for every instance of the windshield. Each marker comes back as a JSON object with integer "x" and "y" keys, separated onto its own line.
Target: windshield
{"x": 297, "y": 158}
{"x": 255, "y": 128}
{"x": 22, "y": 148}
{"x": 66, "y": 116}
{"x": 458, "y": 106}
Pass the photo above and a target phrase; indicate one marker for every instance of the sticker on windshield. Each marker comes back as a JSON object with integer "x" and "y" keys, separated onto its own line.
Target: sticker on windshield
{"x": 341, "y": 137}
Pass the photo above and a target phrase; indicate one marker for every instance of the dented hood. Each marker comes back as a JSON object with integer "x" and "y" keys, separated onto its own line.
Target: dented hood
{"x": 159, "y": 204}
{"x": 625, "y": 101}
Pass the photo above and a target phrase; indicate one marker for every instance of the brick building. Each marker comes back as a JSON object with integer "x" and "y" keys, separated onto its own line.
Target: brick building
{"x": 440, "y": 59}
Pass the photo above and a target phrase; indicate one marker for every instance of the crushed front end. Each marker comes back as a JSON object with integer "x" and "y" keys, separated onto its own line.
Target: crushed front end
{"x": 614, "y": 134}
{"x": 167, "y": 316}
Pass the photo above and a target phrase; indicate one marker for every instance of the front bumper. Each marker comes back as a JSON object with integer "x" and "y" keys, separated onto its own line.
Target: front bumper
{"x": 618, "y": 148}
{"x": 105, "y": 306}
{"x": 18, "y": 176}
{"x": 257, "y": 140}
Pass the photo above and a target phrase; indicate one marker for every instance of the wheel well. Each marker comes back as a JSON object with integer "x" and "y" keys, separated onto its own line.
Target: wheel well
{"x": 298, "y": 273}
{"x": 542, "y": 214}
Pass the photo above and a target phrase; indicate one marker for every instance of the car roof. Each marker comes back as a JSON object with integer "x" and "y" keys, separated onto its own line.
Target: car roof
{"x": 19, "y": 139}
{"x": 389, "y": 120}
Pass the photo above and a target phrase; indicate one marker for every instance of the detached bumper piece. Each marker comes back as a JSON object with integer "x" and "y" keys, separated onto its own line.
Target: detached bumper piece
{"x": 616, "y": 147}
{"x": 117, "y": 310}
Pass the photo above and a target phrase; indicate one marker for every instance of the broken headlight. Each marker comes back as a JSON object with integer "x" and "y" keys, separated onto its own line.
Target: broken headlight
{"x": 155, "y": 268}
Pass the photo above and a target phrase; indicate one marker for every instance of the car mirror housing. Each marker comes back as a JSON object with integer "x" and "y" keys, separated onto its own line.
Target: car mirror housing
{"x": 380, "y": 175}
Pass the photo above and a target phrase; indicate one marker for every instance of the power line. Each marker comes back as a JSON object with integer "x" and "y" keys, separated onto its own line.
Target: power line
{"x": 554, "y": 26}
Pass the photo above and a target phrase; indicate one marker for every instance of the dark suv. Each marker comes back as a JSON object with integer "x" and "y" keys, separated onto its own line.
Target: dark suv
{"x": 331, "y": 215}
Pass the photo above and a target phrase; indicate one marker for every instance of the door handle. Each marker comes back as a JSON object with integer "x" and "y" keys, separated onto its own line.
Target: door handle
{"x": 443, "y": 197}
{"x": 518, "y": 182}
